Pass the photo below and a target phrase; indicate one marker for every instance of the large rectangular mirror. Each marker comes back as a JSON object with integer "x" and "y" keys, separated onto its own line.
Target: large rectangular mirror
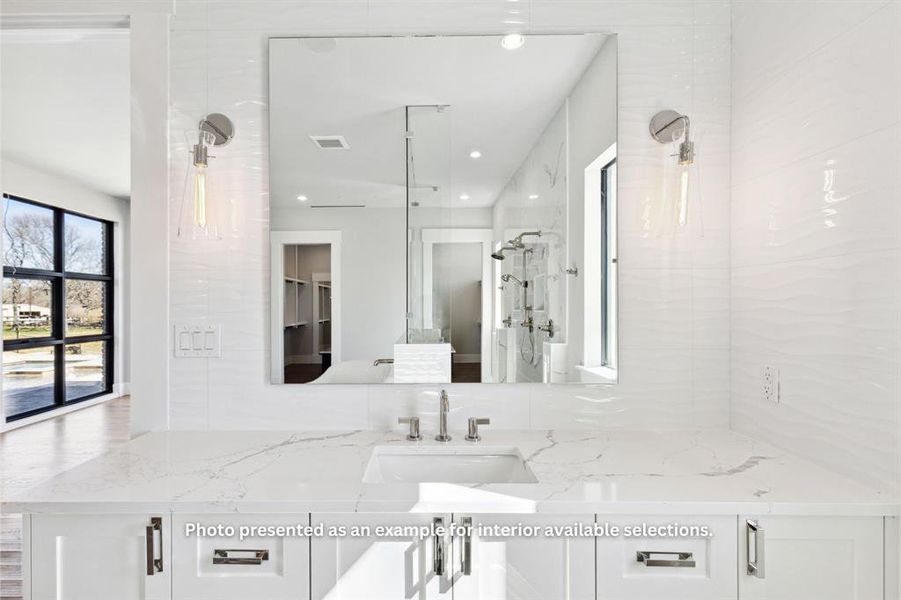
{"x": 443, "y": 209}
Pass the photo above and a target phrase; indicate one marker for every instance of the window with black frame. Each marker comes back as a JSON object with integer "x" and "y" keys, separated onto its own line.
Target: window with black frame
{"x": 57, "y": 307}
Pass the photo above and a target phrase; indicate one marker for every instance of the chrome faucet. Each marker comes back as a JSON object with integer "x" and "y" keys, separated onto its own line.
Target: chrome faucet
{"x": 443, "y": 408}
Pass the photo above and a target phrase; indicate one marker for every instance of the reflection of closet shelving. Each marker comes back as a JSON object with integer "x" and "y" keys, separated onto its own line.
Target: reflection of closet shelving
{"x": 296, "y": 291}
{"x": 322, "y": 314}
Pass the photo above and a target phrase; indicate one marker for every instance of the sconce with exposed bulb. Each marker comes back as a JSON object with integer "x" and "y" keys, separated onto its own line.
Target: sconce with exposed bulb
{"x": 667, "y": 127}
{"x": 203, "y": 221}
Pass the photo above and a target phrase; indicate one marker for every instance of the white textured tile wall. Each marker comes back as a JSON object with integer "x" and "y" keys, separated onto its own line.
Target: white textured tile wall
{"x": 816, "y": 230}
{"x": 674, "y": 373}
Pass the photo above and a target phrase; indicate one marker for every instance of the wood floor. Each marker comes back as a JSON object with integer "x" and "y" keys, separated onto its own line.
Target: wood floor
{"x": 37, "y": 452}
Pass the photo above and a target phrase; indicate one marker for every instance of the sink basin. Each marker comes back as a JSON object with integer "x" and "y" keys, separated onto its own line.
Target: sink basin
{"x": 453, "y": 464}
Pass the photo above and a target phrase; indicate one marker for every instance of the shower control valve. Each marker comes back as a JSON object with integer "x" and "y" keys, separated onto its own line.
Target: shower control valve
{"x": 548, "y": 328}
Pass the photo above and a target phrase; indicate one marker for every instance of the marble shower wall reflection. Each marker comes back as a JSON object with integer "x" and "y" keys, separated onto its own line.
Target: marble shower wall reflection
{"x": 534, "y": 200}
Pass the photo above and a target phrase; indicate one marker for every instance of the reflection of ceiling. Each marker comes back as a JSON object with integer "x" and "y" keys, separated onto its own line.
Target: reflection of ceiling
{"x": 65, "y": 104}
{"x": 500, "y": 101}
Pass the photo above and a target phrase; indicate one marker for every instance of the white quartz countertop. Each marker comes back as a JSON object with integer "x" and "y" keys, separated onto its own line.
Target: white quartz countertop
{"x": 615, "y": 472}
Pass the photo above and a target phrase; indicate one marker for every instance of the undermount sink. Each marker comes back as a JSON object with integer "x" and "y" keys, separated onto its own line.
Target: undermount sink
{"x": 452, "y": 464}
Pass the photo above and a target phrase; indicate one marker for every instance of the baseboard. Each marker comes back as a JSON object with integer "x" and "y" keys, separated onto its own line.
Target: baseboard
{"x": 303, "y": 359}
{"x": 60, "y": 411}
{"x": 467, "y": 358}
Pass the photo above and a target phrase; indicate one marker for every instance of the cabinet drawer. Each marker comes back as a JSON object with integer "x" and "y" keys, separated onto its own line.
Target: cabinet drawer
{"x": 668, "y": 568}
{"x": 227, "y": 568}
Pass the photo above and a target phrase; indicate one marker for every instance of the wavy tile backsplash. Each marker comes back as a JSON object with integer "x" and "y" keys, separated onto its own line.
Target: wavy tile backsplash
{"x": 675, "y": 327}
{"x": 816, "y": 231}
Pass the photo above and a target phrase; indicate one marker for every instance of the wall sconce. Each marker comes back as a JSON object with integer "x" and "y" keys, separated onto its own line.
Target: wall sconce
{"x": 667, "y": 127}
{"x": 203, "y": 219}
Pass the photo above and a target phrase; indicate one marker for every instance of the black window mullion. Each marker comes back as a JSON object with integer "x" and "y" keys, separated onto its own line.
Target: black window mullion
{"x": 58, "y": 340}
{"x": 86, "y": 276}
{"x": 59, "y": 308}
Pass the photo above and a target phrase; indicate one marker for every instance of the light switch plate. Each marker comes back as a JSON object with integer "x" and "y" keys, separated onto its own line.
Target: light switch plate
{"x": 771, "y": 385}
{"x": 197, "y": 340}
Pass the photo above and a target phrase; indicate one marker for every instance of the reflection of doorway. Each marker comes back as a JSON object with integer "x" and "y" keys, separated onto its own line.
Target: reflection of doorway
{"x": 457, "y": 297}
{"x": 457, "y": 305}
{"x": 307, "y": 312}
{"x": 305, "y": 303}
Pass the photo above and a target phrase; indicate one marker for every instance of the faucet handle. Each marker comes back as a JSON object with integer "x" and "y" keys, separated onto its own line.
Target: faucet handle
{"x": 414, "y": 435}
{"x": 473, "y": 434}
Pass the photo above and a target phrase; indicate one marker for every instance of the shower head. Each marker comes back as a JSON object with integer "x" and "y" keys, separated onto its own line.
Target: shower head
{"x": 507, "y": 277}
{"x": 499, "y": 255}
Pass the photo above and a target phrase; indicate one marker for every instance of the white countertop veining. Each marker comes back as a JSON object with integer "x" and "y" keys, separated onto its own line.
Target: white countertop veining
{"x": 625, "y": 472}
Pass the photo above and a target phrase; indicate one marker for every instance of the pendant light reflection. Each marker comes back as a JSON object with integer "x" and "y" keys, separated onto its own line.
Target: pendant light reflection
{"x": 668, "y": 127}
{"x": 202, "y": 212}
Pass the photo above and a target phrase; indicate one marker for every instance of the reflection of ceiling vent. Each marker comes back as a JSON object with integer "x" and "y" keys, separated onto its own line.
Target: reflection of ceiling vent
{"x": 330, "y": 142}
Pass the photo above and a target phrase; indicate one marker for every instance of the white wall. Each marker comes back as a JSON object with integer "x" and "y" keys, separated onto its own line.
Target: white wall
{"x": 592, "y": 129}
{"x": 372, "y": 273}
{"x": 671, "y": 55}
{"x": 816, "y": 230}
{"x": 32, "y": 184}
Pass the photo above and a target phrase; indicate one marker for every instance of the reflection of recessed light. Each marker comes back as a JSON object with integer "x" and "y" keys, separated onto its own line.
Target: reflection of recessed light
{"x": 475, "y": 154}
{"x": 464, "y": 197}
{"x": 512, "y": 41}
{"x": 302, "y": 198}
{"x": 533, "y": 196}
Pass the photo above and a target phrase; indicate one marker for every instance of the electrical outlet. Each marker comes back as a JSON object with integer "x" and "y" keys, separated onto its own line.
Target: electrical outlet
{"x": 771, "y": 385}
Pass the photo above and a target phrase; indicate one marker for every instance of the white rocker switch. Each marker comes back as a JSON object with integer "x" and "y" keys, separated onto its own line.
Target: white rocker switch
{"x": 200, "y": 340}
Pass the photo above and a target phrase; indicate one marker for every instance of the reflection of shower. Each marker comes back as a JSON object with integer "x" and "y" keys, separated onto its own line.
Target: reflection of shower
{"x": 527, "y": 343}
{"x": 514, "y": 244}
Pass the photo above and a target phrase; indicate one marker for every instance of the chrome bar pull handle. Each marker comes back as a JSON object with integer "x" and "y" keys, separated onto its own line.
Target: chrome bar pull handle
{"x": 438, "y": 549}
{"x": 225, "y": 557}
{"x": 757, "y": 566}
{"x": 466, "y": 550}
{"x": 652, "y": 558}
{"x": 154, "y": 565}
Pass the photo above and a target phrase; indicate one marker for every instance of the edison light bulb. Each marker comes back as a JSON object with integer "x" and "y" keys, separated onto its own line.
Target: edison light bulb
{"x": 683, "y": 198}
{"x": 200, "y": 207}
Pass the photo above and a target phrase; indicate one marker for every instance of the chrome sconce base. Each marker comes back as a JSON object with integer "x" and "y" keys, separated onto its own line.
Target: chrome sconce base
{"x": 667, "y": 126}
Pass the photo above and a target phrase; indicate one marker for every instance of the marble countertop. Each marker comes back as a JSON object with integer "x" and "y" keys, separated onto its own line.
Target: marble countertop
{"x": 624, "y": 472}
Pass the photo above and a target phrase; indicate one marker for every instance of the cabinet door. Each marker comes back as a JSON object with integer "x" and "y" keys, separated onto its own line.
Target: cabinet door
{"x": 514, "y": 565}
{"x": 88, "y": 557}
{"x": 229, "y": 568}
{"x": 811, "y": 558}
{"x": 370, "y": 567}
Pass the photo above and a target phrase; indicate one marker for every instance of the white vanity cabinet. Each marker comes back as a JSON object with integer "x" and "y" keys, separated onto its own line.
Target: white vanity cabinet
{"x": 228, "y": 568}
{"x": 354, "y": 567}
{"x": 810, "y": 558}
{"x": 499, "y": 566}
{"x": 746, "y": 557}
{"x": 92, "y": 557}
